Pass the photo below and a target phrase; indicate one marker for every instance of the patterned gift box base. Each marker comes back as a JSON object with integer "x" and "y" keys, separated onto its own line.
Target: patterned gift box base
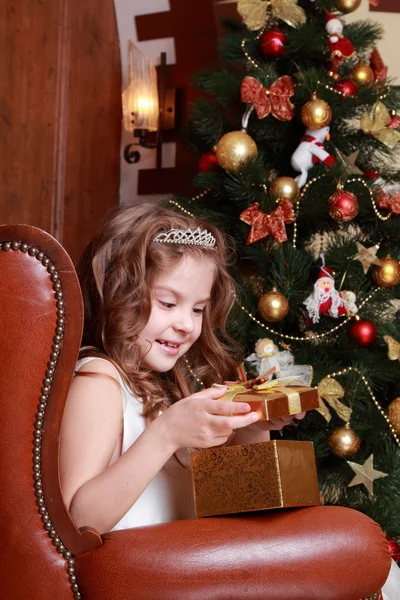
{"x": 234, "y": 479}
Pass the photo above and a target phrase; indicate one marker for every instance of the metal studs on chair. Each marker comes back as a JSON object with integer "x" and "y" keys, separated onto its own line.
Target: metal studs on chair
{"x": 41, "y": 408}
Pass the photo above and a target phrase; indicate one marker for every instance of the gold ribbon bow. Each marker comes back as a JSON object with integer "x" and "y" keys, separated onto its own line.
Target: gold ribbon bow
{"x": 393, "y": 347}
{"x": 377, "y": 123}
{"x": 275, "y": 385}
{"x": 255, "y": 12}
{"x": 330, "y": 390}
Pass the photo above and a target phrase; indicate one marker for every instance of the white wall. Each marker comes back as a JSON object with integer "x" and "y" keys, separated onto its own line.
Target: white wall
{"x": 389, "y": 46}
{"x": 126, "y": 10}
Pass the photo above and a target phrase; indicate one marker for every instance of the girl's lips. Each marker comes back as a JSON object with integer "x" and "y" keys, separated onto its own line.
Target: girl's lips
{"x": 170, "y": 350}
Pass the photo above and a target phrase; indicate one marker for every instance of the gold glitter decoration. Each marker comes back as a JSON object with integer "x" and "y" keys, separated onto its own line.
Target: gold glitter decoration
{"x": 393, "y": 347}
{"x": 344, "y": 441}
{"x": 330, "y": 390}
{"x": 255, "y": 13}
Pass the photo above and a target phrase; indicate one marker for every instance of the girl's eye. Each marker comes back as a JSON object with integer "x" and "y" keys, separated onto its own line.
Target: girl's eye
{"x": 166, "y": 304}
{"x": 198, "y": 311}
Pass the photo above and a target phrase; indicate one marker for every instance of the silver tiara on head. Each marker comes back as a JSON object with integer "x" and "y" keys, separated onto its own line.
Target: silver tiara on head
{"x": 197, "y": 237}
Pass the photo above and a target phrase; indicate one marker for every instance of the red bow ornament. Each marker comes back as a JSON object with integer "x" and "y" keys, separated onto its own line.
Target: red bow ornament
{"x": 263, "y": 224}
{"x": 275, "y": 100}
{"x": 378, "y": 66}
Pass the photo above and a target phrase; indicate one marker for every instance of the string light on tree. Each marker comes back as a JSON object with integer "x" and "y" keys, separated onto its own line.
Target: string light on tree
{"x": 273, "y": 306}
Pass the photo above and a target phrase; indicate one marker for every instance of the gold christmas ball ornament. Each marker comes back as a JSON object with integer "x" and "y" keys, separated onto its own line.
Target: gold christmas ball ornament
{"x": 394, "y": 415}
{"x": 316, "y": 114}
{"x": 285, "y": 188}
{"x": 347, "y": 6}
{"x": 234, "y": 149}
{"x": 344, "y": 441}
{"x": 363, "y": 75}
{"x": 273, "y": 306}
{"x": 387, "y": 274}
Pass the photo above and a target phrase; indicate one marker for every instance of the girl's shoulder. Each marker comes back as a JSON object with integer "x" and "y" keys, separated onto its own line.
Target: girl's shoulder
{"x": 98, "y": 365}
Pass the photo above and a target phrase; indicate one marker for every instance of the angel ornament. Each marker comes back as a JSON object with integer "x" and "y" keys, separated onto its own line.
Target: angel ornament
{"x": 267, "y": 356}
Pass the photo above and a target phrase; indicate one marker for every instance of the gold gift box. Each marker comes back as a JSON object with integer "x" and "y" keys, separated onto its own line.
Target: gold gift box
{"x": 245, "y": 478}
{"x": 277, "y": 402}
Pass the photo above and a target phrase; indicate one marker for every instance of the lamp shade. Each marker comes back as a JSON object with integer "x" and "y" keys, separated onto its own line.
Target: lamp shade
{"x": 140, "y": 99}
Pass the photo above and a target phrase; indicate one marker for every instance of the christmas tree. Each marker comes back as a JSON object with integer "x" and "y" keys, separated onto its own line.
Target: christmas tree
{"x": 296, "y": 134}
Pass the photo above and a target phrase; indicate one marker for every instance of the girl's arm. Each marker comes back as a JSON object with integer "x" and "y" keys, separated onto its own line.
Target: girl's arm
{"x": 99, "y": 485}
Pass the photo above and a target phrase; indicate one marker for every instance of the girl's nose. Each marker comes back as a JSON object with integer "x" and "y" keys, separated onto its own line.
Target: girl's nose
{"x": 184, "y": 322}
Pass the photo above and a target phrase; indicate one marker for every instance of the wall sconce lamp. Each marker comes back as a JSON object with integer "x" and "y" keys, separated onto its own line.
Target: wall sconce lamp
{"x": 148, "y": 107}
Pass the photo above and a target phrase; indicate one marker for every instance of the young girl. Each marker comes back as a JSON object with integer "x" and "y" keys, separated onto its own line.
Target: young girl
{"x": 156, "y": 295}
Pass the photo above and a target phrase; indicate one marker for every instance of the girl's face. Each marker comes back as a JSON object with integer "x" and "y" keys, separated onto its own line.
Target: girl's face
{"x": 179, "y": 297}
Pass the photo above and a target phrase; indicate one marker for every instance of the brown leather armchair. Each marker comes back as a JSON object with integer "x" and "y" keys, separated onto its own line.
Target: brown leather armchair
{"x": 321, "y": 553}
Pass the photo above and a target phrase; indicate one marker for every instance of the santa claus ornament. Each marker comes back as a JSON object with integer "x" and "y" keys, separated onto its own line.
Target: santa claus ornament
{"x": 310, "y": 152}
{"x": 340, "y": 47}
{"x": 326, "y": 300}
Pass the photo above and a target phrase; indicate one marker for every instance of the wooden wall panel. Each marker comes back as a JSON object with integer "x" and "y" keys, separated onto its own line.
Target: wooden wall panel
{"x": 195, "y": 27}
{"x": 60, "y": 115}
{"x": 387, "y": 6}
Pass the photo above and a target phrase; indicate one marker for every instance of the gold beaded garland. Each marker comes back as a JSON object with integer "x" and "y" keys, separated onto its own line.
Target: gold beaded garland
{"x": 273, "y": 306}
{"x": 316, "y": 114}
{"x": 344, "y": 441}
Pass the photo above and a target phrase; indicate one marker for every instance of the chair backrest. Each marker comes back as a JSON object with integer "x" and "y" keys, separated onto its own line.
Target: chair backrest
{"x": 41, "y": 318}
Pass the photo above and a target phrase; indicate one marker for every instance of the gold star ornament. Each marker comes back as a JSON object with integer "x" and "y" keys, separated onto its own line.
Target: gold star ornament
{"x": 349, "y": 162}
{"x": 255, "y": 13}
{"x": 365, "y": 474}
{"x": 367, "y": 256}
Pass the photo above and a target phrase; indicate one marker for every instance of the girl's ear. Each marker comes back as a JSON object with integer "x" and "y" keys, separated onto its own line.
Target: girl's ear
{"x": 99, "y": 264}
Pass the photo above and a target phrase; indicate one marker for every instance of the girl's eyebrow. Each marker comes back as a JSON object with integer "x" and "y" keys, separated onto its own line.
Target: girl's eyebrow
{"x": 176, "y": 293}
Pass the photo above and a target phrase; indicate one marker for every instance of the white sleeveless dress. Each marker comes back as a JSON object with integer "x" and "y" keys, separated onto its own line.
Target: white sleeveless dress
{"x": 169, "y": 496}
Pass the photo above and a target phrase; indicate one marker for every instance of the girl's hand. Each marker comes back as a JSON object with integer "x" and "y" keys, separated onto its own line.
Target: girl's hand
{"x": 278, "y": 424}
{"x": 201, "y": 421}
{"x": 260, "y": 431}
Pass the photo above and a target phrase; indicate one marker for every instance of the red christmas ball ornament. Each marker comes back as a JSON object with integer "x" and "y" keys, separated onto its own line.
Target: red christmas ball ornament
{"x": 343, "y": 205}
{"x": 273, "y": 44}
{"x": 347, "y": 87}
{"x": 207, "y": 162}
{"x": 394, "y": 548}
{"x": 363, "y": 332}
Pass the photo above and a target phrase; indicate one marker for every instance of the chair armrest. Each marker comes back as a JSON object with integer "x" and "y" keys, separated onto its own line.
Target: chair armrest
{"x": 329, "y": 553}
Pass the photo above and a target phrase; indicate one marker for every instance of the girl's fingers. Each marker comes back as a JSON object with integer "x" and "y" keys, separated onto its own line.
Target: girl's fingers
{"x": 214, "y": 392}
{"x": 227, "y": 408}
{"x": 236, "y": 422}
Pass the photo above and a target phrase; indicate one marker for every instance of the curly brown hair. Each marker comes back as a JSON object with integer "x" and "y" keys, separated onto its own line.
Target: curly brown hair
{"x": 116, "y": 272}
